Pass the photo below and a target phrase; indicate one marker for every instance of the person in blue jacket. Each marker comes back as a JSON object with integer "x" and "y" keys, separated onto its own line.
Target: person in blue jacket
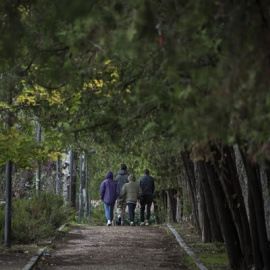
{"x": 109, "y": 192}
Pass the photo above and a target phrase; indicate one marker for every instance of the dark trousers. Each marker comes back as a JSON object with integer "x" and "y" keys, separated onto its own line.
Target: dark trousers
{"x": 131, "y": 211}
{"x": 146, "y": 201}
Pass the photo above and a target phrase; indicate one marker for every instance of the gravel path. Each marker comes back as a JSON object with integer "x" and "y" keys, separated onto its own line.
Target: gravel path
{"x": 116, "y": 247}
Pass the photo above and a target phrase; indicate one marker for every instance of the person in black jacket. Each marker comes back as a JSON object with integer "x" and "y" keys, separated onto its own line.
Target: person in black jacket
{"x": 121, "y": 178}
{"x": 148, "y": 187}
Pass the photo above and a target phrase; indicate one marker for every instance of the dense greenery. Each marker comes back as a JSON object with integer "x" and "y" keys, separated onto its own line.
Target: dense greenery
{"x": 36, "y": 219}
{"x": 171, "y": 66}
{"x": 149, "y": 83}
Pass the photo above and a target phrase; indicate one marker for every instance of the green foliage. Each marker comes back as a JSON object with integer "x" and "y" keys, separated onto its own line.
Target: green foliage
{"x": 37, "y": 218}
{"x": 97, "y": 215}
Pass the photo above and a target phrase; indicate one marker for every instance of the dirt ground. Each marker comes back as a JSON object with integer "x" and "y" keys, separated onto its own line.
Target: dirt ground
{"x": 115, "y": 247}
{"x": 16, "y": 257}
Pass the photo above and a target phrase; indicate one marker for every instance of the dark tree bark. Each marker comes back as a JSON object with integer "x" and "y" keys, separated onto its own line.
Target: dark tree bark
{"x": 216, "y": 234}
{"x": 260, "y": 243}
{"x": 189, "y": 167}
{"x": 205, "y": 221}
{"x": 226, "y": 221}
{"x": 172, "y": 201}
{"x": 232, "y": 189}
{"x": 8, "y": 209}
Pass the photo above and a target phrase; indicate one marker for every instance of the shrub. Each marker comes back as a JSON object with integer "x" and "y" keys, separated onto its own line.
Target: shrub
{"x": 37, "y": 218}
{"x": 97, "y": 215}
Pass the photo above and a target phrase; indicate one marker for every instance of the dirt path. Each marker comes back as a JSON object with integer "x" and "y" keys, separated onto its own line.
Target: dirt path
{"x": 116, "y": 247}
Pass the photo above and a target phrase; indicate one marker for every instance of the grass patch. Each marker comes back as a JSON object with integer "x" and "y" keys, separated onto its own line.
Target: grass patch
{"x": 212, "y": 255}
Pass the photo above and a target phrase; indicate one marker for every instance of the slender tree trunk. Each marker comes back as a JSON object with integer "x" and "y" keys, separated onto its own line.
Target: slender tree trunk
{"x": 266, "y": 196}
{"x": 192, "y": 187}
{"x": 81, "y": 189}
{"x": 8, "y": 205}
{"x": 216, "y": 234}
{"x": 227, "y": 225}
{"x": 172, "y": 201}
{"x": 73, "y": 177}
{"x": 38, "y": 172}
{"x": 260, "y": 243}
{"x": 178, "y": 206}
{"x": 57, "y": 180}
{"x": 8, "y": 209}
{"x": 204, "y": 218}
{"x": 232, "y": 189}
{"x": 87, "y": 212}
{"x": 157, "y": 196}
{"x": 203, "y": 215}
{"x": 65, "y": 178}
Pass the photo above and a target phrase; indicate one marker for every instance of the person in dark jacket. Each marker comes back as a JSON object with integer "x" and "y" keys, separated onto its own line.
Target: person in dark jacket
{"x": 131, "y": 193}
{"x": 148, "y": 187}
{"x": 121, "y": 179}
{"x": 109, "y": 191}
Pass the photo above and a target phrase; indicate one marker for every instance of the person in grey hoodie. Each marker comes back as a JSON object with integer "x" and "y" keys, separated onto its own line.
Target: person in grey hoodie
{"x": 131, "y": 193}
{"x": 121, "y": 179}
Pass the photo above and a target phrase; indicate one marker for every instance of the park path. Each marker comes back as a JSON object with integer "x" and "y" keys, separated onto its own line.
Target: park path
{"x": 115, "y": 247}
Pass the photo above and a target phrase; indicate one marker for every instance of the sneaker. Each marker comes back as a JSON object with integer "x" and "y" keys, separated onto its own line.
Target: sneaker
{"x": 142, "y": 223}
{"x": 109, "y": 223}
{"x": 131, "y": 223}
{"x": 147, "y": 223}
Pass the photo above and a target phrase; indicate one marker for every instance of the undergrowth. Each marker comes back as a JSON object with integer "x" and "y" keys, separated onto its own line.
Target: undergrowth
{"x": 212, "y": 255}
{"x": 36, "y": 218}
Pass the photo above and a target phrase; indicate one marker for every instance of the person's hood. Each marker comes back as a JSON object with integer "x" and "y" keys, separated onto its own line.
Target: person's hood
{"x": 122, "y": 172}
{"x": 131, "y": 178}
{"x": 109, "y": 175}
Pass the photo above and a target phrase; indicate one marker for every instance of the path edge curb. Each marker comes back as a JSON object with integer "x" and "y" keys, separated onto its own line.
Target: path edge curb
{"x": 186, "y": 248}
{"x": 32, "y": 262}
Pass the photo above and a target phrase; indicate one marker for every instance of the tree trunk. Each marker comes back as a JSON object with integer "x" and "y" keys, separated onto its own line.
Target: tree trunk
{"x": 179, "y": 209}
{"x": 172, "y": 202}
{"x": 65, "y": 178}
{"x": 189, "y": 167}
{"x": 232, "y": 189}
{"x": 225, "y": 219}
{"x": 261, "y": 248}
{"x": 204, "y": 219}
{"x": 7, "y": 236}
{"x": 265, "y": 180}
{"x": 216, "y": 234}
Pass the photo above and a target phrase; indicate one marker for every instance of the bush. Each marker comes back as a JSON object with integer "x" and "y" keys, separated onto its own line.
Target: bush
{"x": 97, "y": 215}
{"x": 37, "y": 218}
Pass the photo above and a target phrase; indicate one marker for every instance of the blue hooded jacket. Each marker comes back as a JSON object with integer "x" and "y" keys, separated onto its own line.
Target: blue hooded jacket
{"x": 109, "y": 189}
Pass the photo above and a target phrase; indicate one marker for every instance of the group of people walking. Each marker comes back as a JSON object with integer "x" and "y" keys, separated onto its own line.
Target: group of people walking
{"x": 125, "y": 191}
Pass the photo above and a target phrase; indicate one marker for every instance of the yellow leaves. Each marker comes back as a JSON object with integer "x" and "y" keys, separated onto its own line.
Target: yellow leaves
{"x": 13, "y": 133}
{"x": 94, "y": 85}
{"x": 4, "y": 105}
{"x": 54, "y": 155}
{"x": 99, "y": 83}
{"x": 101, "y": 86}
{"x": 115, "y": 74}
{"x": 30, "y": 96}
{"x": 26, "y": 98}
{"x": 55, "y": 98}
